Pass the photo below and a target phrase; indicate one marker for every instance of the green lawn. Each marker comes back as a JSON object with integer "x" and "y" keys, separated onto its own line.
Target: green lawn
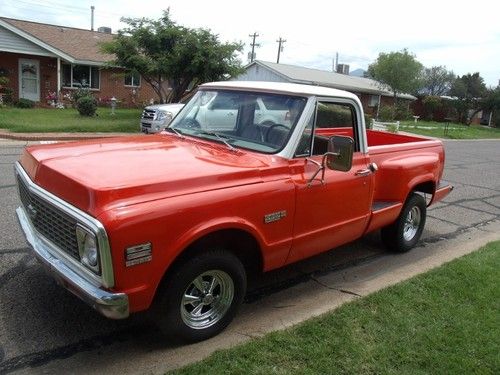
{"x": 68, "y": 120}
{"x": 456, "y": 131}
{"x": 446, "y": 321}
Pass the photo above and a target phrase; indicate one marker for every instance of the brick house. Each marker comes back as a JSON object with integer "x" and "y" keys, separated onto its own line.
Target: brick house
{"x": 369, "y": 91}
{"x": 41, "y": 60}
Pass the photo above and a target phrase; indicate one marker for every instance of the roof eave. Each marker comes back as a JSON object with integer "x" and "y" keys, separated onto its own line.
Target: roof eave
{"x": 37, "y": 41}
{"x": 335, "y": 86}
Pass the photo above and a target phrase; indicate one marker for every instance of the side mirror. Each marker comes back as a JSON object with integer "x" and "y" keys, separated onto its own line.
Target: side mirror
{"x": 340, "y": 151}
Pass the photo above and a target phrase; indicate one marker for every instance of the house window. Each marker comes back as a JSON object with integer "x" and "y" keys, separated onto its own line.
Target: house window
{"x": 133, "y": 79}
{"x": 80, "y": 76}
{"x": 373, "y": 101}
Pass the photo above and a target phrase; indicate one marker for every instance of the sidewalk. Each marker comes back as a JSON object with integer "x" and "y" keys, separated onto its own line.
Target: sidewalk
{"x": 5, "y": 134}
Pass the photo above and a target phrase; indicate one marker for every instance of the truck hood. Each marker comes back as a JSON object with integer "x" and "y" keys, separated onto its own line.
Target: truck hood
{"x": 172, "y": 107}
{"x": 102, "y": 174}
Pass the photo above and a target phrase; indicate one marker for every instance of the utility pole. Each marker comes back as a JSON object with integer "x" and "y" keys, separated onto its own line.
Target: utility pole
{"x": 92, "y": 17}
{"x": 253, "y": 44}
{"x": 280, "y": 48}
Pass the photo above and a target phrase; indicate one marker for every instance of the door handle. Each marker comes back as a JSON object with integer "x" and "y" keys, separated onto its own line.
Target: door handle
{"x": 363, "y": 172}
{"x": 372, "y": 168}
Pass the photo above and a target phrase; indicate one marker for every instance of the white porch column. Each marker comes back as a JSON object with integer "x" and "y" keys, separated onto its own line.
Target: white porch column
{"x": 58, "y": 77}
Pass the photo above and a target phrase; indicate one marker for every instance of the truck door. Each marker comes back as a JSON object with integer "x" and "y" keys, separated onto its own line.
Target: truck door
{"x": 335, "y": 209}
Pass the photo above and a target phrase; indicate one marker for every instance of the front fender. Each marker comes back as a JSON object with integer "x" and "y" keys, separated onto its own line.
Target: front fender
{"x": 171, "y": 225}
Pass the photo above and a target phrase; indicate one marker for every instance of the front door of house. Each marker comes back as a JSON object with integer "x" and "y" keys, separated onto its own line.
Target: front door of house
{"x": 29, "y": 79}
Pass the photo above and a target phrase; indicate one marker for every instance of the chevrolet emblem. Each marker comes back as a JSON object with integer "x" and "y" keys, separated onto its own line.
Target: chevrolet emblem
{"x": 275, "y": 216}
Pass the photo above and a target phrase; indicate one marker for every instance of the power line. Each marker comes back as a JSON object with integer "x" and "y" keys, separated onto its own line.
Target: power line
{"x": 280, "y": 48}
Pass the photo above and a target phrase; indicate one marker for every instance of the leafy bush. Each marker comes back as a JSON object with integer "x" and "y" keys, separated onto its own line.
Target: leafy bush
{"x": 80, "y": 93}
{"x": 86, "y": 106}
{"x": 431, "y": 104}
{"x": 394, "y": 113}
{"x": 8, "y": 95}
{"x": 386, "y": 113}
{"x": 3, "y": 81}
{"x": 25, "y": 103}
{"x": 402, "y": 111}
{"x": 368, "y": 121}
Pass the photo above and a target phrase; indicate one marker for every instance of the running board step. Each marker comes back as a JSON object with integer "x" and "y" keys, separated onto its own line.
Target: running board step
{"x": 382, "y": 205}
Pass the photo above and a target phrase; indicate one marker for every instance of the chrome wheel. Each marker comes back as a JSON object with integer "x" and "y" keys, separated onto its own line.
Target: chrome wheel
{"x": 412, "y": 223}
{"x": 207, "y": 299}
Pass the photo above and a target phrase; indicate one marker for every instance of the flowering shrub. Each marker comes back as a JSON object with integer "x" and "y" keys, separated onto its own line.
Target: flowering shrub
{"x": 104, "y": 101}
{"x": 52, "y": 96}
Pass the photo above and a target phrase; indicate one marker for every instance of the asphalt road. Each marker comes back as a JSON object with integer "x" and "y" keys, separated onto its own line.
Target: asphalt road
{"x": 41, "y": 323}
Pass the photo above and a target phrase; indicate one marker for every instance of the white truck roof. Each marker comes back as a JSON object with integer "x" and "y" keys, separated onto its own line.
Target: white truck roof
{"x": 290, "y": 88}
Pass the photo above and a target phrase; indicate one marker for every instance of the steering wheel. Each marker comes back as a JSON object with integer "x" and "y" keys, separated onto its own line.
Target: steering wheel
{"x": 275, "y": 126}
{"x": 190, "y": 123}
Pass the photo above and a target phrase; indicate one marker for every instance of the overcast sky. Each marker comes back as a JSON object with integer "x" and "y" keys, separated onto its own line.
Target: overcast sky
{"x": 464, "y": 36}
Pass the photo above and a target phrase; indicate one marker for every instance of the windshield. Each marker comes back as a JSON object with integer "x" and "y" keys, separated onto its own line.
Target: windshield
{"x": 256, "y": 121}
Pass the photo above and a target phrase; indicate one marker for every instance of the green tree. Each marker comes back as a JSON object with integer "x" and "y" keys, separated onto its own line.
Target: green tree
{"x": 172, "y": 58}
{"x": 431, "y": 104}
{"x": 468, "y": 90}
{"x": 398, "y": 70}
{"x": 437, "y": 81}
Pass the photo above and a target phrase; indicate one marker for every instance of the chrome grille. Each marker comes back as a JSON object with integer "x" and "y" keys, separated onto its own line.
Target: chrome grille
{"x": 148, "y": 114}
{"x": 53, "y": 224}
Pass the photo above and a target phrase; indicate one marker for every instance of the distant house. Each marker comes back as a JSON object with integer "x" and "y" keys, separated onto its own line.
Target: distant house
{"x": 41, "y": 59}
{"x": 370, "y": 92}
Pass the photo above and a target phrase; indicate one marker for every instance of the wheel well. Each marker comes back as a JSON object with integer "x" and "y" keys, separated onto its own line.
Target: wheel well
{"x": 425, "y": 187}
{"x": 240, "y": 243}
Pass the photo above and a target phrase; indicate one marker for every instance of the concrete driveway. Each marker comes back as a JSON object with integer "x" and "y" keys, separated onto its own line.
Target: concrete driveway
{"x": 44, "y": 329}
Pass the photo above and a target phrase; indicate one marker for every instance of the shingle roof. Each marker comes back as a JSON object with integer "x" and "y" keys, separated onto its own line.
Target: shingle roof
{"x": 298, "y": 74}
{"x": 80, "y": 44}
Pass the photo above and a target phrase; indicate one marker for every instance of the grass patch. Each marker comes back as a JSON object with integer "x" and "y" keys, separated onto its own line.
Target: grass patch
{"x": 455, "y": 131}
{"x": 445, "y": 321}
{"x": 41, "y": 120}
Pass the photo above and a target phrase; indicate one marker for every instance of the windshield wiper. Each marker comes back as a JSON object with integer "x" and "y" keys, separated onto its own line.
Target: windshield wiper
{"x": 220, "y": 137}
{"x": 174, "y": 130}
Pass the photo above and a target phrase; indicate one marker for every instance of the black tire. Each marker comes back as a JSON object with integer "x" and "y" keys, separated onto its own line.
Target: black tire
{"x": 404, "y": 233}
{"x": 178, "y": 319}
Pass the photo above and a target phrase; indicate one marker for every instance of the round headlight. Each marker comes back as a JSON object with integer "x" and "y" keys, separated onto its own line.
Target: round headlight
{"x": 89, "y": 255}
{"x": 88, "y": 248}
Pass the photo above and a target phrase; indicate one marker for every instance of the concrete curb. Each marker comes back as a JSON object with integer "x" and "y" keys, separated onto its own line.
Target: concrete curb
{"x": 5, "y": 134}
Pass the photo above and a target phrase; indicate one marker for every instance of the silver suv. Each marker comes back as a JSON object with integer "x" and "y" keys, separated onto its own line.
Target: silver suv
{"x": 156, "y": 117}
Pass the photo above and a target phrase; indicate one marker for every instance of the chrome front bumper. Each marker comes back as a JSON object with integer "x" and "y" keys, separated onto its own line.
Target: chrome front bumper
{"x": 111, "y": 305}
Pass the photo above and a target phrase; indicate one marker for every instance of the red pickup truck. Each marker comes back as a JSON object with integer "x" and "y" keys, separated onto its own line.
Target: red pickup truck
{"x": 176, "y": 221}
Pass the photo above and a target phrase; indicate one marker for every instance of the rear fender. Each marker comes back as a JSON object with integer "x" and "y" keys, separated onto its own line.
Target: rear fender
{"x": 398, "y": 177}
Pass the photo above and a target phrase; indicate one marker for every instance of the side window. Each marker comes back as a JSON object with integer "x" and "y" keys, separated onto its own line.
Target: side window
{"x": 331, "y": 119}
{"x": 334, "y": 115}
